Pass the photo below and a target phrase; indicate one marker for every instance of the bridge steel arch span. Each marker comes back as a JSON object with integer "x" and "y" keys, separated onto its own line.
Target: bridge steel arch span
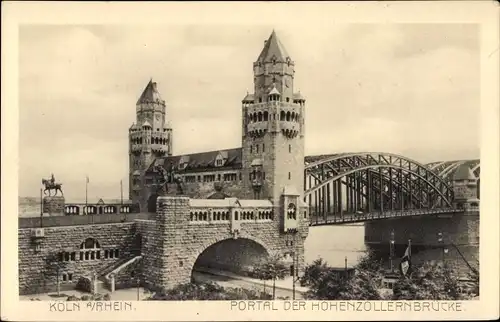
{"x": 201, "y": 250}
{"x": 447, "y": 169}
{"x": 367, "y": 182}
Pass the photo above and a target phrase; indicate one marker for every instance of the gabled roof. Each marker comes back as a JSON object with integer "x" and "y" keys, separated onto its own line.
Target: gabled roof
{"x": 198, "y": 162}
{"x": 146, "y": 124}
{"x": 273, "y": 48}
{"x": 150, "y": 94}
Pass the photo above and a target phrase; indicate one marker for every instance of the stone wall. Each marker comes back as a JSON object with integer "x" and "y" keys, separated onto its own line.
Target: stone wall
{"x": 460, "y": 229}
{"x": 172, "y": 249}
{"x": 202, "y": 190}
{"x": 54, "y": 206}
{"x": 36, "y": 273}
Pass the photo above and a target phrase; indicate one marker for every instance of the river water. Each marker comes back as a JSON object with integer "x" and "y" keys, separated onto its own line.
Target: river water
{"x": 334, "y": 243}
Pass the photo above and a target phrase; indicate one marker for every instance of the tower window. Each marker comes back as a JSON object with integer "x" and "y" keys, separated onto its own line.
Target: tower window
{"x": 289, "y": 175}
{"x": 257, "y": 148}
{"x": 240, "y": 176}
{"x": 251, "y": 148}
{"x": 263, "y": 147}
{"x": 288, "y": 99}
{"x": 260, "y": 99}
{"x": 289, "y": 148}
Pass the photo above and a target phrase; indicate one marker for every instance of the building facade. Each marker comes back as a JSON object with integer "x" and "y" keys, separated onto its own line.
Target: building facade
{"x": 269, "y": 161}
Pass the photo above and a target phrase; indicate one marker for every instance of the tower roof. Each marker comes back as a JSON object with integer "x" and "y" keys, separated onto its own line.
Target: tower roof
{"x": 150, "y": 94}
{"x": 298, "y": 96}
{"x": 248, "y": 97}
{"x": 273, "y": 47}
{"x": 464, "y": 172}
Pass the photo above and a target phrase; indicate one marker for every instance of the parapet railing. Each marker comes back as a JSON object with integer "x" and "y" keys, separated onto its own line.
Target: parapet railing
{"x": 321, "y": 219}
{"x": 57, "y": 221}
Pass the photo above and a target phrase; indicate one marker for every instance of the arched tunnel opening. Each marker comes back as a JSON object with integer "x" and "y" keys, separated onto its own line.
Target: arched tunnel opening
{"x": 239, "y": 256}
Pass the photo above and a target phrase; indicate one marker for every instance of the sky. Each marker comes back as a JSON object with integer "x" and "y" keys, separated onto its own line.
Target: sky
{"x": 410, "y": 89}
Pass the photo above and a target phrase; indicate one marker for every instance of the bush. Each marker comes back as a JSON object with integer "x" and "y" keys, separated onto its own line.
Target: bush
{"x": 207, "y": 291}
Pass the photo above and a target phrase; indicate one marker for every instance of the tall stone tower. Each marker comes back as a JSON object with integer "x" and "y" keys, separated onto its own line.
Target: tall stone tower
{"x": 273, "y": 128}
{"x": 150, "y": 137}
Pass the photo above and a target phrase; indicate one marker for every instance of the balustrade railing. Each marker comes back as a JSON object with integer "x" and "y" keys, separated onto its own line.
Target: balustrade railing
{"x": 337, "y": 218}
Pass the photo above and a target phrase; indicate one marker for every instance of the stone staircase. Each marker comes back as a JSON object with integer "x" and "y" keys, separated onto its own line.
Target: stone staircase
{"x": 104, "y": 277}
{"x": 102, "y": 280}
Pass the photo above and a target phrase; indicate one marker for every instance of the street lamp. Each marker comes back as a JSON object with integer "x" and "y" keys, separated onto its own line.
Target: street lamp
{"x": 391, "y": 251}
{"x": 440, "y": 241}
{"x": 295, "y": 264}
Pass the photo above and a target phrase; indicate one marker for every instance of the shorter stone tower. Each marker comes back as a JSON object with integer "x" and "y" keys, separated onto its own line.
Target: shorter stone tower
{"x": 150, "y": 137}
{"x": 465, "y": 188}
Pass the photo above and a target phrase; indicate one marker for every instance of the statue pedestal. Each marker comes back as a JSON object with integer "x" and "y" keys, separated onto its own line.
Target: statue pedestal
{"x": 54, "y": 206}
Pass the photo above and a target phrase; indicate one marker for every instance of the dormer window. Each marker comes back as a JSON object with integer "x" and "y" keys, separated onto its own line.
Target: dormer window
{"x": 183, "y": 162}
{"x": 221, "y": 159}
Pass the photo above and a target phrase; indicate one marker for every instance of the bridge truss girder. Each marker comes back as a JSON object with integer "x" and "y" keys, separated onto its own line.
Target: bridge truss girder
{"x": 372, "y": 182}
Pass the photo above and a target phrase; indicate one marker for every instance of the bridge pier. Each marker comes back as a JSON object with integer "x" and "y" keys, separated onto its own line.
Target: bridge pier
{"x": 459, "y": 230}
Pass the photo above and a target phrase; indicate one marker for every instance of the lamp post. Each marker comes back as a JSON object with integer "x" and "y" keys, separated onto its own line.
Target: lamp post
{"x": 41, "y": 208}
{"x": 295, "y": 265}
{"x": 391, "y": 251}
{"x": 441, "y": 242}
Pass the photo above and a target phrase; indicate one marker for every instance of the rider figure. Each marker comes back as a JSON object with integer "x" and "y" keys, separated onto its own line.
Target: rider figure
{"x": 52, "y": 180}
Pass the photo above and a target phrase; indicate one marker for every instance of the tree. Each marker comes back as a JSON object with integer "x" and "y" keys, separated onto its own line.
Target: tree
{"x": 272, "y": 268}
{"x": 55, "y": 266}
{"x": 327, "y": 283}
{"x": 429, "y": 282}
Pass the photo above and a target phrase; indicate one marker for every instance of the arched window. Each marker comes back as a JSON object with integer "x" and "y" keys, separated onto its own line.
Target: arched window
{"x": 288, "y": 99}
{"x": 259, "y": 116}
{"x": 266, "y": 116}
{"x": 291, "y": 211}
{"x": 90, "y": 249}
{"x": 255, "y": 117}
{"x": 288, "y": 116}
{"x": 90, "y": 243}
{"x": 282, "y": 115}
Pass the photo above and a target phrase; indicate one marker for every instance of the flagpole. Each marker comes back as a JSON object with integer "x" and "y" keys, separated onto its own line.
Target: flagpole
{"x": 41, "y": 208}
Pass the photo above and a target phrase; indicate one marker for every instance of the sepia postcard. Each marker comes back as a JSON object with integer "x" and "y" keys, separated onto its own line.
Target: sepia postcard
{"x": 250, "y": 161}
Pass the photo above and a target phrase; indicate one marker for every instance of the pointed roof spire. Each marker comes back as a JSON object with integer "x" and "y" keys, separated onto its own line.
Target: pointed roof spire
{"x": 273, "y": 48}
{"x": 150, "y": 94}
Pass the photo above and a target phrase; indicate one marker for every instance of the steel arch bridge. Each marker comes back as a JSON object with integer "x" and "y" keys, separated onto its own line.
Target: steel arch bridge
{"x": 355, "y": 187}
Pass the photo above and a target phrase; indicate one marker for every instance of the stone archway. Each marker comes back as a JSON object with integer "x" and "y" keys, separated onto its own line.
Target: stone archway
{"x": 238, "y": 256}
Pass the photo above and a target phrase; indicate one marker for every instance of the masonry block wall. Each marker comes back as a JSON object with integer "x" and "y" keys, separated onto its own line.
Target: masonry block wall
{"x": 177, "y": 241}
{"x": 460, "y": 229}
{"x": 37, "y": 274}
{"x": 202, "y": 190}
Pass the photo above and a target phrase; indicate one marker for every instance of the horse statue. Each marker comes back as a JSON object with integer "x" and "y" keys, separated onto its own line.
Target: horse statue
{"x": 52, "y": 185}
{"x": 168, "y": 177}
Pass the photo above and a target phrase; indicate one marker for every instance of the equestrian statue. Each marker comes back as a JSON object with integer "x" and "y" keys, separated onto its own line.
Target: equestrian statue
{"x": 168, "y": 177}
{"x": 51, "y": 184}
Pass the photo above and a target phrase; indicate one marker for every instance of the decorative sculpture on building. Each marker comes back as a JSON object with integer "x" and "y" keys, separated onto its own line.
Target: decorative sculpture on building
{"x": 164, "y": 178}
{"x": 51, "y": 184}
